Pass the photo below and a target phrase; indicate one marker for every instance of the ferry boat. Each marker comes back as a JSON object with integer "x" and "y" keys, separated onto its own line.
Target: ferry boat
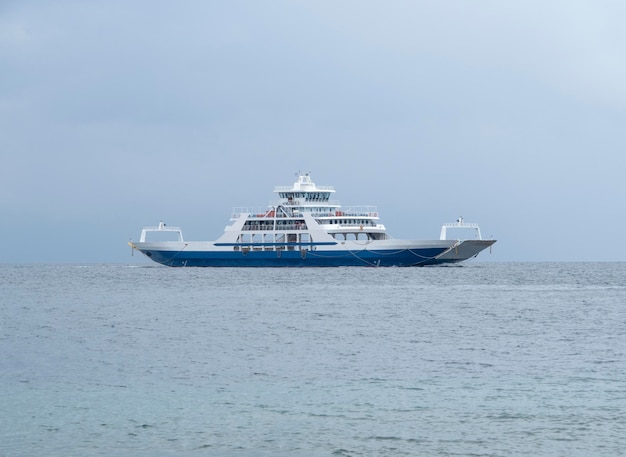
{"x": 305, "y": 227}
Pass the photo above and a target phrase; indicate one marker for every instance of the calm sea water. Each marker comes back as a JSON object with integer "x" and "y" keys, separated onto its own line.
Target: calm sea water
{"x": 488, "y": 359}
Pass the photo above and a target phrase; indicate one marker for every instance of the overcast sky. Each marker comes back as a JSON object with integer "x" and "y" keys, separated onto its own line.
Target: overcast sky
{"x": 117, "y": 114}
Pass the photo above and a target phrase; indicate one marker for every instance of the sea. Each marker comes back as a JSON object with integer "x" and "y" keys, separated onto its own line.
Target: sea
{"x": 483, "y": 359}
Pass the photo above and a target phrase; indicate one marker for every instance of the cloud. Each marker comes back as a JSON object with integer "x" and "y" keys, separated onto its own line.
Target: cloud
{"x": 576, "y": 47}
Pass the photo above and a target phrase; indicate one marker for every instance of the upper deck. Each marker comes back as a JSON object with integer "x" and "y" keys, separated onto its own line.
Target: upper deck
{"x": 304, "y": 184}
{"x": 319, "y": 212}
{"x": 304, "y": 196}
{"x": 305, "y": 192}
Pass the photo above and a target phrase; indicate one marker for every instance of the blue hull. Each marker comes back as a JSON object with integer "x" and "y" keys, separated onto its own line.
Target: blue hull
{"x": 297, "y": 258}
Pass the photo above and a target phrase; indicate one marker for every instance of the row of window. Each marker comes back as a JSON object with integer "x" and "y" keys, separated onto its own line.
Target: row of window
{"x": 300, "y": 225}
{"x": 362, "y": 222}
{"x": 307, "y": 196}
{"x": 269, "y": 225}
{"x": 269, "y": 238}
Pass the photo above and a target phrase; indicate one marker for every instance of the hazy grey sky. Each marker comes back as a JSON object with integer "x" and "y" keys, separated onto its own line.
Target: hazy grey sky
{"x": 116, "y": 114}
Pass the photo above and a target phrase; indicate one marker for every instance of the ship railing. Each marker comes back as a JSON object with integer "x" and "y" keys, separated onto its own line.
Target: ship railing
{"x": 349, "y": 223}
{"x": 270, "y": 212}
{"x": 239, "y": 210}
{"x": 290, "y": 189}
{"x": 459, "y": 224}
{"x": 354, "y": 211}
{"x": 316, "y": 210}
{"x": 279, "y": 227}
{"x": 305, "y": 202}
{"x": 291, "y": 227}
{"x": 160, "y": 228}
{"x": 258, "y": 227}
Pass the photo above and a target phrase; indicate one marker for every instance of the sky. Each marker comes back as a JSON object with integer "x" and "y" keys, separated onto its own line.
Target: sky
{"x": 115, "y": 115}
